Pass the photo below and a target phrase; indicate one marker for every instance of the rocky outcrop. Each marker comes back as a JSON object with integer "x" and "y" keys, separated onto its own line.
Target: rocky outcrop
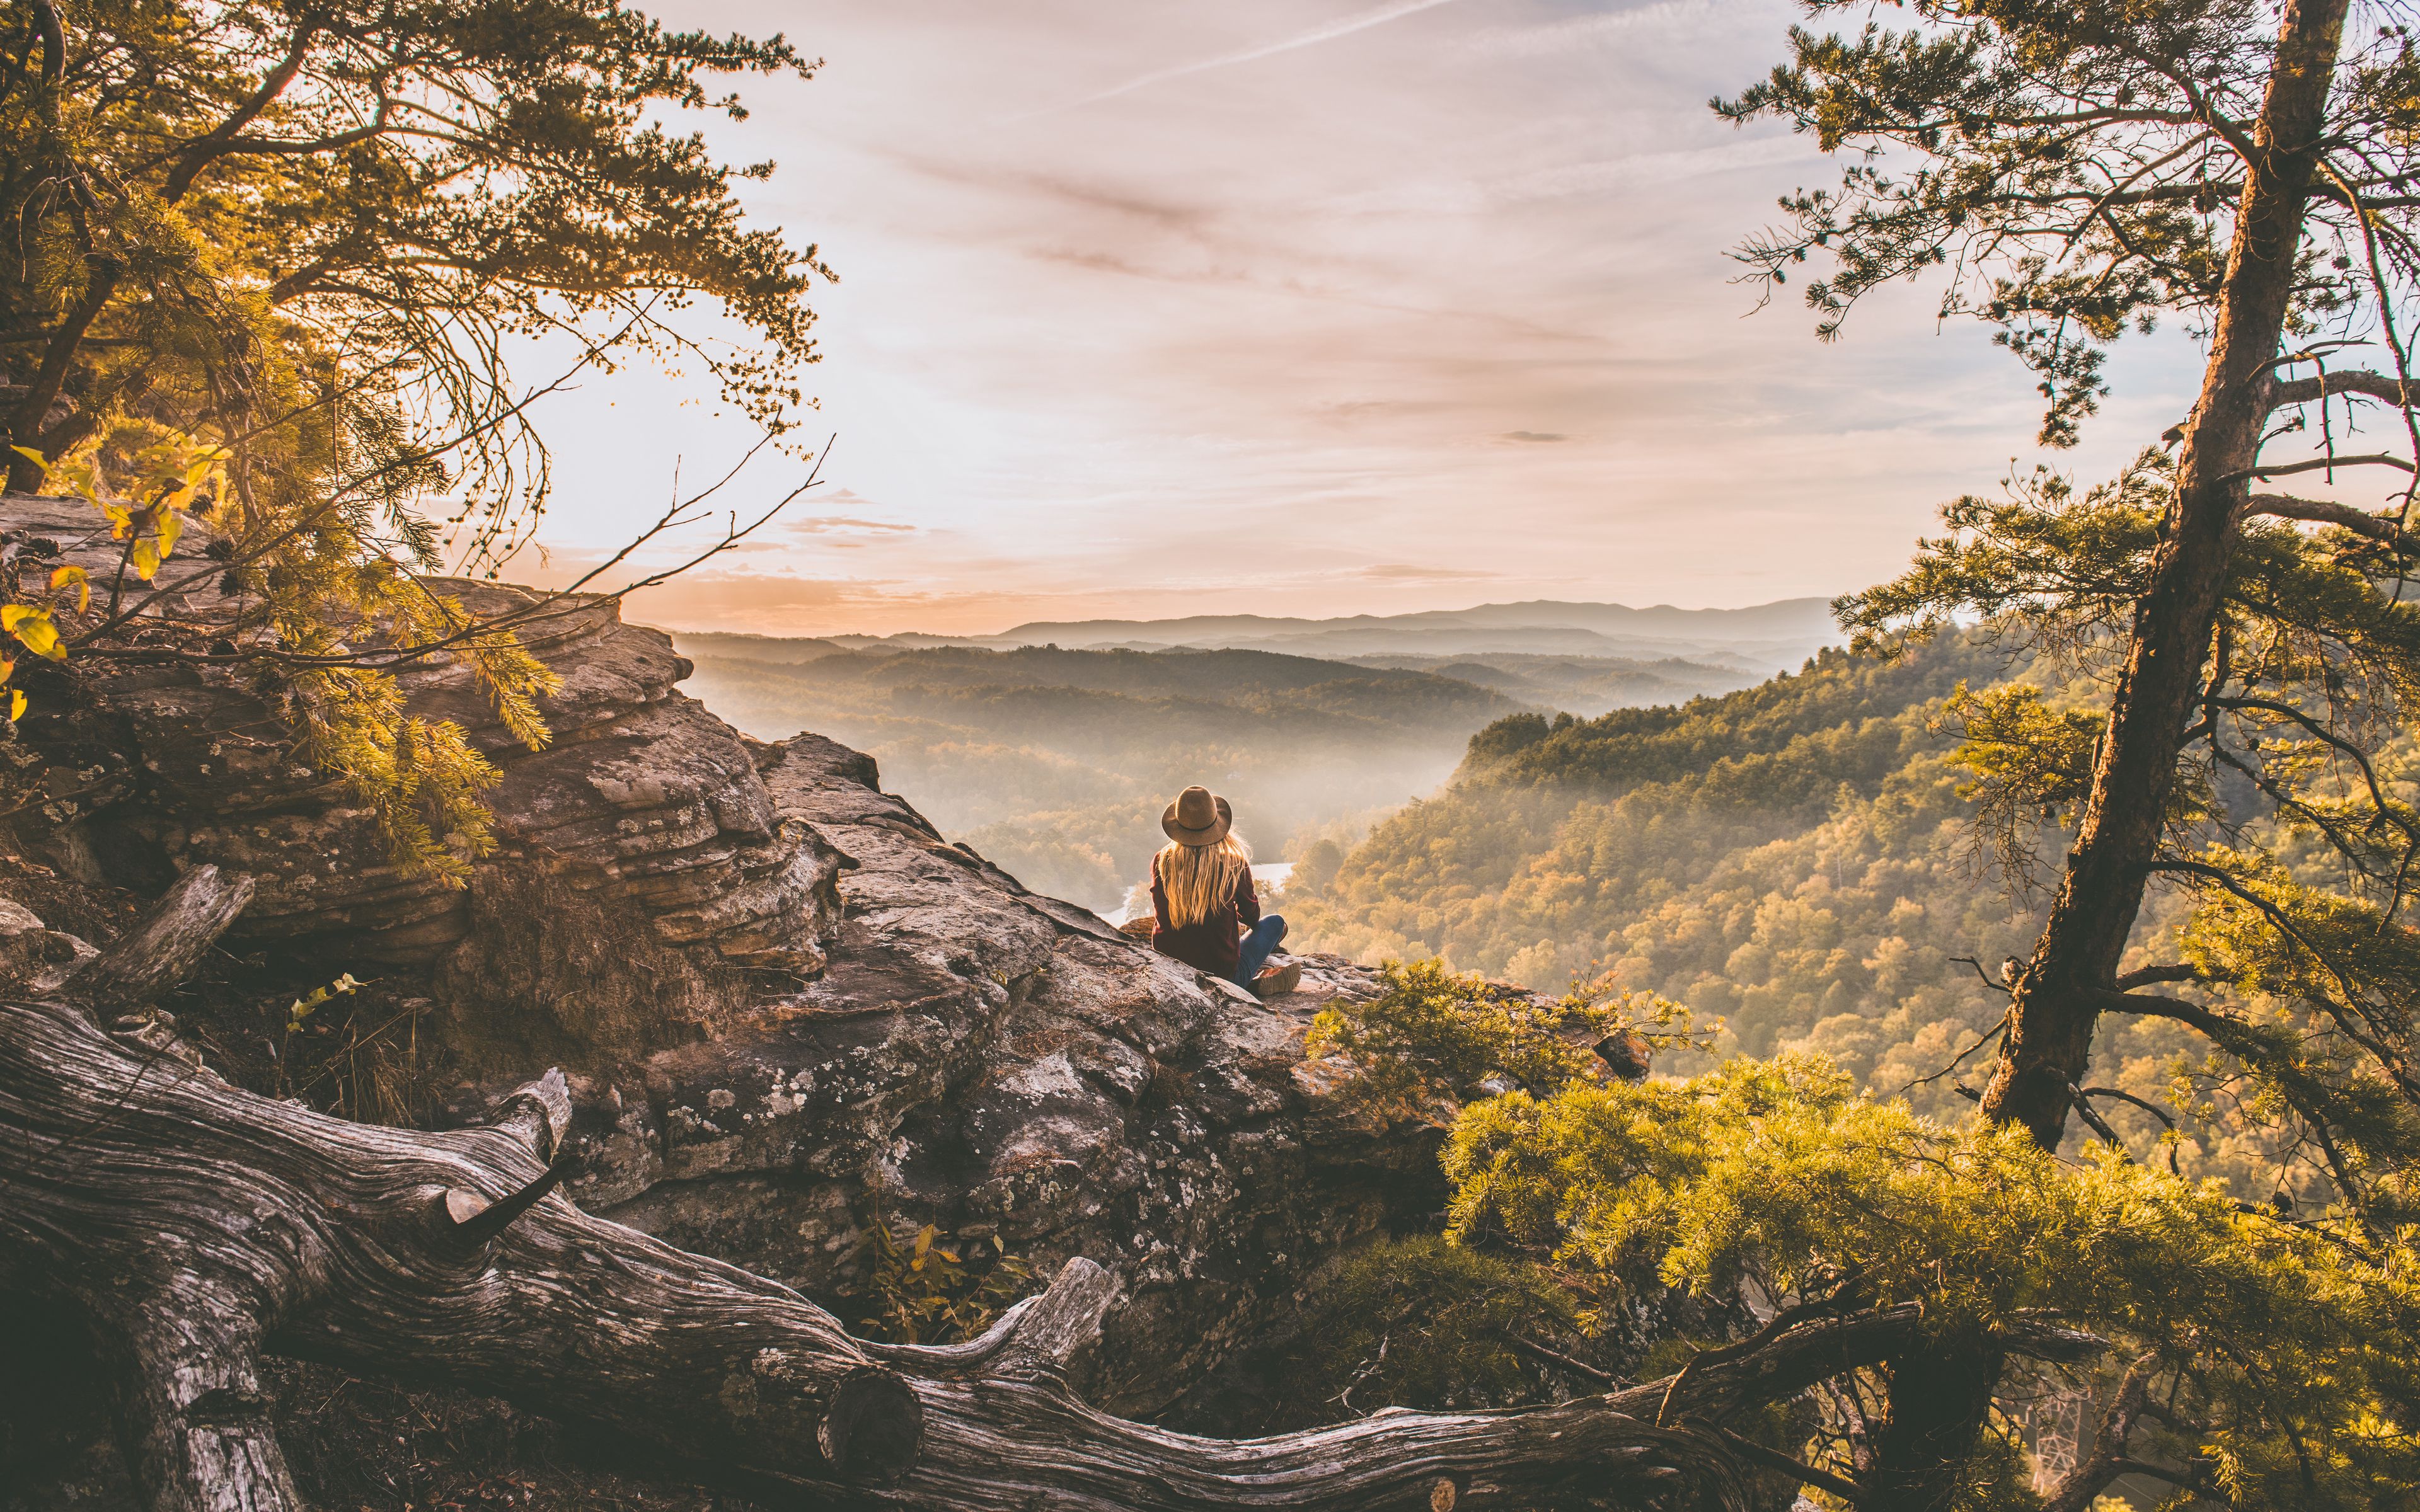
{"x": 786, "y": 1002}
{"x": 643, "y": 822}
{"x": 1004, "y": 1064}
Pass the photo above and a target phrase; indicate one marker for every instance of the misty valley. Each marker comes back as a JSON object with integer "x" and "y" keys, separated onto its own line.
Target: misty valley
{"x": 1053, "y": 756}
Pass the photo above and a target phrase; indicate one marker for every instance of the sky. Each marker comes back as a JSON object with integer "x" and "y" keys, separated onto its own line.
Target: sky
{"x": 1299, "y": 307}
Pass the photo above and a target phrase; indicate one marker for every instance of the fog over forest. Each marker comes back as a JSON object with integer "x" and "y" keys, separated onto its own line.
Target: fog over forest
{"x": 1051, "y": 748}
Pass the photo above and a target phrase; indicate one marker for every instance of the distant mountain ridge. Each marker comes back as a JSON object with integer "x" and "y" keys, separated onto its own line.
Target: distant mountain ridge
{"x": 1762, "y": 636}
{"x": 1783, "y": 618}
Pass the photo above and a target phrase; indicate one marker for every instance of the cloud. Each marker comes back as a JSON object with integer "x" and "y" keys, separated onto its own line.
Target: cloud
{"x": 1211, "y": 351}
{"x": 831, "y": 524}
{"x": 1604, "y": 176}
{"x": 1342, "y": 26}
{"x": 1405, "y": 572}
{"x": 1558, "y": 37}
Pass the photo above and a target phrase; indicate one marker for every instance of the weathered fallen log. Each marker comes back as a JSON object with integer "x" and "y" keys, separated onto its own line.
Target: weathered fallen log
{"x": 197, "y": 1226}
{"x": 164, "y": 949}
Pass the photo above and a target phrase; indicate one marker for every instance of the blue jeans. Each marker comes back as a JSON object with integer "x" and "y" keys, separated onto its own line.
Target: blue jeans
{"x": 1253, "y": 951}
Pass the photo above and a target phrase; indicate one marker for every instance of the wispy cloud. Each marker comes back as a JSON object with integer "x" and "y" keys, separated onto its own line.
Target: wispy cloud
{"x": 1560, "y": 36}
{"x": 1535, "y": 436}
{"x": 1342, "y": 26}
{"x": 828, "y": 524}
{"x": 1409, "y": 572}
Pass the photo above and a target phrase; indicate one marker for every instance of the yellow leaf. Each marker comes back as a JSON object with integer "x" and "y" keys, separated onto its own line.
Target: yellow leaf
{"x": 83, "y": 587}
{"x": 16, "y": 704}
{"x": 32, "y": 456}
{"x": 146, "y": 558}
{"x": 34, "y": 628}
{"x": 169, "y": 527}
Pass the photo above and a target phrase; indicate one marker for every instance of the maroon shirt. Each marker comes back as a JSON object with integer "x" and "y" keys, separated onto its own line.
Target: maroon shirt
{"x": 1211, "y": 945}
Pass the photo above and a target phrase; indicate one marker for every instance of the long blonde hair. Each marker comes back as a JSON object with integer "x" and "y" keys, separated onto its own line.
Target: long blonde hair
{"x": 1200, "y": 880}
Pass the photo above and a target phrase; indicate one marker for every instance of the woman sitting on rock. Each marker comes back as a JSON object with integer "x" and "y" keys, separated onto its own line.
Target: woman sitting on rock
{"x": 1202, "y": 897}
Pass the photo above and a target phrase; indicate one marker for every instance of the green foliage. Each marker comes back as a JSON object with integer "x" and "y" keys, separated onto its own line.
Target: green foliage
{"x": 2030, "y": 770}
{"x": 2022, "y": 754}
{"x": 2067, "y": 565}
{"x": 2285, "y": 1345}
{"x": 1598, "y": 1175}
{"x": 930, "y": 1290}
{"x": 316, "y": 228}
{"x": 1761, "y": 747}
{"x": 1427, "y": 1323}
{"x": 2276, "y": 1350}
{"x": 1431, "y": 1037}
{"x": 2291, "y": 832}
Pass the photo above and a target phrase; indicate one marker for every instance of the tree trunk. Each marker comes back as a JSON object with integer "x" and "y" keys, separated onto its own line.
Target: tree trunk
{"x": 2053, "y": 1010}
{"x": 1940, "y": 1398}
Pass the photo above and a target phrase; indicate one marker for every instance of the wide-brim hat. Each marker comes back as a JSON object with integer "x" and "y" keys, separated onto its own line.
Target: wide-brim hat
{"x": 1198, "y": 817}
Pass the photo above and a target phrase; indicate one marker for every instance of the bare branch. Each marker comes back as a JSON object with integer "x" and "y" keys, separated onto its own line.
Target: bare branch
{"x": 2175, "y": 1476}
{"x": 2317, "y": 464}
{"x": 203, "y": 150}
{"x": 2366, "y": 384}
{"x": 2319, "y": 511}
{"x": 1757, "y": 1453}
{"x": 1560, "y": 1359}
{"x": 2145, "y": 975}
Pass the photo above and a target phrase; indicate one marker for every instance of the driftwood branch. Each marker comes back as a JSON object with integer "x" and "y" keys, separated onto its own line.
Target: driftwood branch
{"x": 165, "y": 949}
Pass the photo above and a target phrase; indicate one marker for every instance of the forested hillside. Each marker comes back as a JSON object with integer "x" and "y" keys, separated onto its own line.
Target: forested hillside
{"x": 1583, "y": 685}
{"x": 1793, "y": 859}
{"x": 1056, "y": 763}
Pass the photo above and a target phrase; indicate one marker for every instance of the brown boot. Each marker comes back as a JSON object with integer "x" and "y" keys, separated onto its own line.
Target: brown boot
{"x": 1276, "y": 981}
